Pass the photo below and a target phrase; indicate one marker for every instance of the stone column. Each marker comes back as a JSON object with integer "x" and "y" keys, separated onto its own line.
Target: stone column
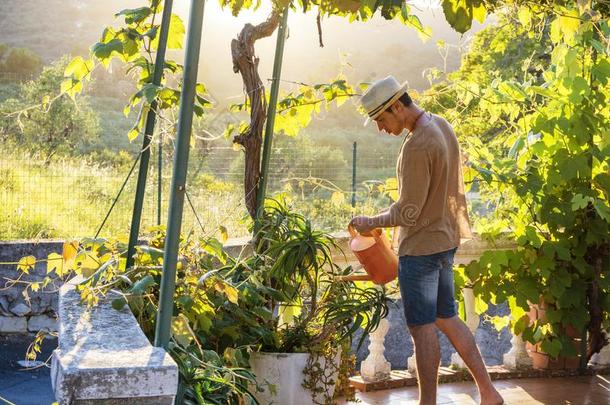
{"x": 517, "y": 357}
{"x": 375, "y": 367}
{"x": 412, "y": 364}
{"x": 472, "y": 321}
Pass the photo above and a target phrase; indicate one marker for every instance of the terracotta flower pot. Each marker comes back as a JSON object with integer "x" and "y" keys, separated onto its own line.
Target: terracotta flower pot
{"x": 542, "y": 360}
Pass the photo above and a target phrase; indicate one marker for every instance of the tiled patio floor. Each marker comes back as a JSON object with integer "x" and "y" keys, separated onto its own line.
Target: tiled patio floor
{"x": 589, "y": 390}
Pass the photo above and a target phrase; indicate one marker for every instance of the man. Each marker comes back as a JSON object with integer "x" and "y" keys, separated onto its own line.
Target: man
{"x": 432, "y": 218}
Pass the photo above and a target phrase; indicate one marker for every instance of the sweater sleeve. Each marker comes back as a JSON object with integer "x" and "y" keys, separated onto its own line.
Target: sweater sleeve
{"x": 414, "y": 184}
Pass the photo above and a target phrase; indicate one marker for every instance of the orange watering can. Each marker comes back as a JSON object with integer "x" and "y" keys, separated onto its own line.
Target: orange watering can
{"x": 373, "y": 251}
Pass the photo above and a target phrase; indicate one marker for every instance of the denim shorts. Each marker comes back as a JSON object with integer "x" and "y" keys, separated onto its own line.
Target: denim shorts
{"x": 426, "y": 287}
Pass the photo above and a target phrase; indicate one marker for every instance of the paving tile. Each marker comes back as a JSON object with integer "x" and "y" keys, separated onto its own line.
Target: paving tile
{"x": 585, "y": 390}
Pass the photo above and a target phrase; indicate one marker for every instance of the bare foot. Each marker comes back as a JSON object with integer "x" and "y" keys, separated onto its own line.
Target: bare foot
{"x": 491, "y": 398}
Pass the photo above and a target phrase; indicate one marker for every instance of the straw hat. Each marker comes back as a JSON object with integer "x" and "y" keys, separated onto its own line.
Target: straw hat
{"x": 380, "y": 95}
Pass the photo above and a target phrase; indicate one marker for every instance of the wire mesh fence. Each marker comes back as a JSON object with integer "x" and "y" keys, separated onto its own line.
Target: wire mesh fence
{"x": 14, "y": 77}
{"x": 62, "y": 198}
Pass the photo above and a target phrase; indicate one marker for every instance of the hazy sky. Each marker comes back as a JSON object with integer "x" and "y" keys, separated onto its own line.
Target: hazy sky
{"x": 373, "y": 49}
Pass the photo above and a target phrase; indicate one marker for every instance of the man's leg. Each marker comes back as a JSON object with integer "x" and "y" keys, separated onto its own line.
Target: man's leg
{"x": 463, "y": 341}
{"x": 427, "y": 358}
{"x": 419, "y": 284}
{"x": 459, "y": 334}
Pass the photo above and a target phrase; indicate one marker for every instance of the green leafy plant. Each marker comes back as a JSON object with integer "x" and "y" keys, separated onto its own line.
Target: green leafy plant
{"x": 533, "y": 92}
{"x": 281, "y": 296}
{"x": 297, "y": 260}
{"x": 214, "y": 319}
{"x": 318, "y": 314}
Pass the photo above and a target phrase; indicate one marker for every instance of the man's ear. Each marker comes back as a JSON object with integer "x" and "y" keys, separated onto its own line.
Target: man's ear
{"x": 396, "y": 106}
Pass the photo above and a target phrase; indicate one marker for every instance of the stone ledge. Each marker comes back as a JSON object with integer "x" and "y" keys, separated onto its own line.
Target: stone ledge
{"x": 402, "y": 378}
{"x": 104, "y": 357}
{"x": 40, "y": 322}
{"x": 13, "y": 324}
{"x": 167, "y": 400}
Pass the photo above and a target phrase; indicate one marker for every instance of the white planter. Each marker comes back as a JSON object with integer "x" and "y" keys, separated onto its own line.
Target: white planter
{"x": 285, "y": 372}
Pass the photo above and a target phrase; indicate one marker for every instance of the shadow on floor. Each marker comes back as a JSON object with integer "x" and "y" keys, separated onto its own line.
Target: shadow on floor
{"x": 19, "y": 386}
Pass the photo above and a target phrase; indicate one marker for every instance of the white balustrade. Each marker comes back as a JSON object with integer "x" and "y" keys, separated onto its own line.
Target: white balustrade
{"x": 602, "y": 358}
{"x": 375, "y": 367}
{"x": 412, "y": 364}
{"x": 517, "y": 357}
{"x": 472, "y": 321}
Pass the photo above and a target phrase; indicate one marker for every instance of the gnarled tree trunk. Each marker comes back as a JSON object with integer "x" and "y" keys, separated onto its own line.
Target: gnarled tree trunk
{"x": 596, "y": 339}
{"x": 245, "y": 63}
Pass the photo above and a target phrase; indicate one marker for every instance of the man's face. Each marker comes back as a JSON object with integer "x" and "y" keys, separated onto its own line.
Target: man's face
{"x": 388, "y": 122}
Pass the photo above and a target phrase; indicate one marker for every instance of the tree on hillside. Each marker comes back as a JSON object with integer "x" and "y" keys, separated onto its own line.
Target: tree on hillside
{"x": 4, "y": 48}
{"x": 20, "y": 61}
{"x": 43, "y": 119}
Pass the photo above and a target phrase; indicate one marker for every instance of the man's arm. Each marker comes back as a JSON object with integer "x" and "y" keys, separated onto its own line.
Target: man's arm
{"x": 416, "y": 173}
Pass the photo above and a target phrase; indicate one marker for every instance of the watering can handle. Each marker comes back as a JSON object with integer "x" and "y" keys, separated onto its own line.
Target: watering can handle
{"x": 375, "y": 233}
{"x": 352, "y": 231}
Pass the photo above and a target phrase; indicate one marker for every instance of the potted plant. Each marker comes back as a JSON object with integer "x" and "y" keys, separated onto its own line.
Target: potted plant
{"x": 540, "y": 358}
{"x": 315, "y": 316}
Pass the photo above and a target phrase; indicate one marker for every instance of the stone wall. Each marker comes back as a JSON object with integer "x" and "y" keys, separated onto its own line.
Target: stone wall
{"x": 38, "y": 310}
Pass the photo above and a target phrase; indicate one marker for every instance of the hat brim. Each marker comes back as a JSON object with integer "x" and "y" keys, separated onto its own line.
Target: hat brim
{"x": 388, "y": 103}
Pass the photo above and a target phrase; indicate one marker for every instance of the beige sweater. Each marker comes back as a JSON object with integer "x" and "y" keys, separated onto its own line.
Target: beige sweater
{"x": 431, "y": 211}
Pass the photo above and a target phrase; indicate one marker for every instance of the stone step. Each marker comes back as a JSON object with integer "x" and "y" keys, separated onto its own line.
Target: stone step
{"x": 403, "y": 378}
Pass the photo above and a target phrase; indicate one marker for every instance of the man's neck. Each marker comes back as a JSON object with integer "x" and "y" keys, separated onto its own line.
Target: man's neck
{"x": 411, "y": 119}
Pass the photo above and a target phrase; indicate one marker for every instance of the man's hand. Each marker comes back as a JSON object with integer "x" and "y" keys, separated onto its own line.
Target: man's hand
{"x": 362, "y": 224}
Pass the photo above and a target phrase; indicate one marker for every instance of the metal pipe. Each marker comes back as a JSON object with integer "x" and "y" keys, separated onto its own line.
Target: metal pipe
{"x": 159, "y": 178}
{"x": 136, "y": 215}
{"x": 354, "y": 155}
{"x": 178, "y": 186}
{"x": 268, "y": 139}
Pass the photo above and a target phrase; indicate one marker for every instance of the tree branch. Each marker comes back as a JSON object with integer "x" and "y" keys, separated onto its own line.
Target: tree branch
{"x": 245, "y": 62}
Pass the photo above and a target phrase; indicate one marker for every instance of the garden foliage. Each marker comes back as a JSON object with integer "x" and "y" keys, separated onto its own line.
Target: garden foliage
{"x": 281, "y": 295}
{"x": 530, "y": 103}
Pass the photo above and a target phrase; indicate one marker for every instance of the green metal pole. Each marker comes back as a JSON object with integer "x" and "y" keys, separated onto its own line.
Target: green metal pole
{"x": 178, "y": 187}
{"x": 159, "y": 178}
{"x": 354, "y": 174}
{"x": 268, "y": 139}
{"x": 136, "y": 215}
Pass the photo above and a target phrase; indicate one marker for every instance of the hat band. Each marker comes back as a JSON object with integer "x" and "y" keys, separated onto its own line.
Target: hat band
{"x": 381, "y": 107}
{"x": 374, "y": 112}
